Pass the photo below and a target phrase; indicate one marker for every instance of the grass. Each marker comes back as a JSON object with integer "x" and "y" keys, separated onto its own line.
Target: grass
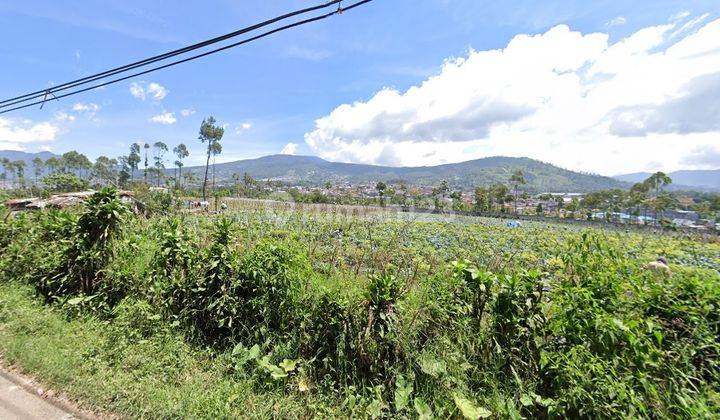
{"x": 158, "y": 377}
{"x": 278, "y": 312}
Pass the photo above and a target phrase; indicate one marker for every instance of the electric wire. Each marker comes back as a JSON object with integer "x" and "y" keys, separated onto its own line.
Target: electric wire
{"x": 119, "y": 70}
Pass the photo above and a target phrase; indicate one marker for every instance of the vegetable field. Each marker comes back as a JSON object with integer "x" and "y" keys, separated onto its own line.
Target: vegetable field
{"x": 267, "y": 311}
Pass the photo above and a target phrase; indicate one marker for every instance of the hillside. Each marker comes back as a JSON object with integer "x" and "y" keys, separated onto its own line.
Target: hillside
{"x": 688, "y": 179}
{"x": 26, "y": 157}
{"x": 541, "y": 177}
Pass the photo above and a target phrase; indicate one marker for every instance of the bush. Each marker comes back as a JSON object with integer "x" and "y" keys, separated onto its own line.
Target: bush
{"x": 88, "y": 251}
{"x": 229, "y": 298}
{"x": 65, "y": 182}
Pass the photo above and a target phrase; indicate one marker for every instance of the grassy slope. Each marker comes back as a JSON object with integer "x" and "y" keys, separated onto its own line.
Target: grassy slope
{"x": 158, "y": 377}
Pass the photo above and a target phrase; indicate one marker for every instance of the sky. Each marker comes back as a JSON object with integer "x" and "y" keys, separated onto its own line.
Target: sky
{"x": 606, "y": 87}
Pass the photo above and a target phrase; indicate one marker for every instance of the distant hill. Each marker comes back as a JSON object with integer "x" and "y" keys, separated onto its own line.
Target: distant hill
{"x": 24, "y": 156}
{"x": 312, "y": 170}
{"x": 688, "y": 179}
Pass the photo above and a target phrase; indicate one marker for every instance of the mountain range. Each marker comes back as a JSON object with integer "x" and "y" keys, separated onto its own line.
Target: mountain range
{"x": 697, "y": 179}
{"x": 15, "y": 155}
{"x": 312, "y": 170}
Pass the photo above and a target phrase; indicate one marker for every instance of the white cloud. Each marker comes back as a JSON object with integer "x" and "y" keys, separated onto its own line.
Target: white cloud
{"x": 242, "y": 127}
{"x": 679, "y": 16}
{"x": 157, "y": 91}
{"x": 153, "y": 91}
{"x": 64, "y": 117}
{"x": 187, "y": 112}
{"x": 289, "y": 149}
{"x": 689, "y": 25}
{"x": 137, "y": 91}
{"x": 617, "y": 21}
{"x": 166, "y": 118}
{"x": 89, "y": 108}
{"x": 14, "y": 134}
{"x": 563, "y": 97}
{"x": 705, "y": 157}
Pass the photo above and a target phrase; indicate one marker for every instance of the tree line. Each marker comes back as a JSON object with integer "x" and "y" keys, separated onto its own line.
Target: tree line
{"x": 74, "y": 171}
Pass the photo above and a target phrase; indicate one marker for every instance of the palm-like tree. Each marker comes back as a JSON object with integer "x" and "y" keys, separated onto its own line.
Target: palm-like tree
{"x": 158, "y": 154}
{"x": 210, "y": 133}
{"x": 181, "y": 152}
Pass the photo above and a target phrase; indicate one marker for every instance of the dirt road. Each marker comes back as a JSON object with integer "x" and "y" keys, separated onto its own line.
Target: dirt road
{"x": 18, "y": 403}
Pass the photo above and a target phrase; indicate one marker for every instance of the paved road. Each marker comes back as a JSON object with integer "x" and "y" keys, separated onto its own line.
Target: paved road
{"x": 16, "y": 403}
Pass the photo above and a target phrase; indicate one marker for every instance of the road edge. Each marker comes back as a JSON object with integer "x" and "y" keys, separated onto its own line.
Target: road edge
{"x": 58, "y": 399}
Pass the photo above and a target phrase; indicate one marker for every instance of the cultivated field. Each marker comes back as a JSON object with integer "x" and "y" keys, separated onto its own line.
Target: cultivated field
{"x": 279, "y": 310}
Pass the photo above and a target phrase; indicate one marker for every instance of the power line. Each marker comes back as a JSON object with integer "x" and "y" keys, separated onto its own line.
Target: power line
{"x": 141, "y": 63}
{"x": 50, "y": 92}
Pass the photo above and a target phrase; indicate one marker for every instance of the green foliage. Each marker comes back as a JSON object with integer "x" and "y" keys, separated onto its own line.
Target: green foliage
{"x": 155, "y": 202}
{"x": 357, "y": 316}
{"x": 87, "y": 251}
{"x": 64, "y": 182}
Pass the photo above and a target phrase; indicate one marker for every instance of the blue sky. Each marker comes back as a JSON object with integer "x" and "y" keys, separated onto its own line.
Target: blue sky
{"x": 270, "y": 93}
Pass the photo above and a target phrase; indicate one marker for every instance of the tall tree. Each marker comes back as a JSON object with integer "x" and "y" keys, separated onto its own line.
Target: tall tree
{"x": 76, "y": 162}
{"x": 146, "y": 146}
{"x": 125, "y": 171}
{"x": 663, "y": 202}
{"x": 133, "y": 159}
{"x": 381, "y": 187}
{"x": 159, "y": 150}
{"x": 499, "y": 193}
{"x": 657, "y": 181}
{"x": 53, "y": 164}
{"x": 105, "y": 170}
{"x": 517, "y": 179}
{"x": 439, "y": 193}
{"x": 637, "y": 196}
{"x": 181, "y": 152}
{"x": 559, "y": 203}
{"x": 236, "y": 181}
{"x": 482, "y": 199}
{"x": 216, "y": 150}
{"x": 7, "y": 166}
{"x": 178, "y": 166}
{"x": 20, "y": 171}
{"x": 38, "y": 167}
{"x": 210, "y": 133}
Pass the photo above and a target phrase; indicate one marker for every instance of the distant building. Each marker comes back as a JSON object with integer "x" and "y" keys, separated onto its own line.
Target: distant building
{"x": 681, "y": 214}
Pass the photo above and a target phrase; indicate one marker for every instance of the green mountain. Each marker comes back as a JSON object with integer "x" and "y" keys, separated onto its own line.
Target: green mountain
{"x": 312, "y": 170}
{"x": 688, "y": 179}
{"x": 25, "y": 156}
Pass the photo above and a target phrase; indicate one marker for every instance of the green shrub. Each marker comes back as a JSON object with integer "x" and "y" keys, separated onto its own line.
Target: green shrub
{"x": 64, "y": 182}
{"x": 230, "y": 298}
{"x": 81, "y": 270}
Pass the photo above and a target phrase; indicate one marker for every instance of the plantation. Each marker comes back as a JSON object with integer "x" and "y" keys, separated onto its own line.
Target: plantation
{"x": 296, "y": 312}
